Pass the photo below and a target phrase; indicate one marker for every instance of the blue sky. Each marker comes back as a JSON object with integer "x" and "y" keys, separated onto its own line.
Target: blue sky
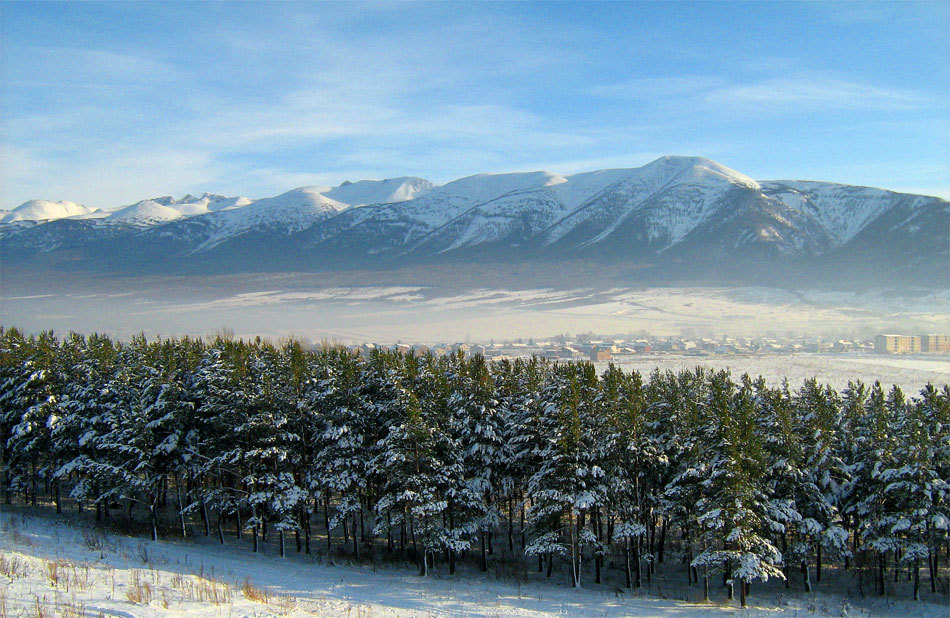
{"x": 106, "y": 104}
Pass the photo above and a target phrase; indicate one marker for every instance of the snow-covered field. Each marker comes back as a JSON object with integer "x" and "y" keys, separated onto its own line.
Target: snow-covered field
{"x": 835, "y": 370}
{"x": 51, "y": 566}
{"x": 330, "y": 307}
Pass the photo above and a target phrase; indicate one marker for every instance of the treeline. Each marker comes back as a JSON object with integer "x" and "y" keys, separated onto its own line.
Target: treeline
{"x": 453, "y": 458}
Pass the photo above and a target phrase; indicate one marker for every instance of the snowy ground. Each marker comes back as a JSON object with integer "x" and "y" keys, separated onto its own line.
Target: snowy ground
{"x": 51, "y": 567}
{"x": 324, "y": 307}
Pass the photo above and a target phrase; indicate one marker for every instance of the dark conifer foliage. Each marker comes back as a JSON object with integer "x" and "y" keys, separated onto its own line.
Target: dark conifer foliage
{"x": 449, "y": 460}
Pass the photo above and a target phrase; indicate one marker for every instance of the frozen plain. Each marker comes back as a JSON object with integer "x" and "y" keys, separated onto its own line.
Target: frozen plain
{"x": 340, "y": 307}
{"x": 101, "y": 574}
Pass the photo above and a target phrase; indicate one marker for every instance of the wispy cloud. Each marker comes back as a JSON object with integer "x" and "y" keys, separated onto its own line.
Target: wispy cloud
{"x": 802, "y": 91}
{"x": 249, "y": 99}
{"x": 815, "y": 92}
{"x": 649, "y": 88}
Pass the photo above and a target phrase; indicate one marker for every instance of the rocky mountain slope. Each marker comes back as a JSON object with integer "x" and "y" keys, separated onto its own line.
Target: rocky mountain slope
{"x": 677, "y": 218}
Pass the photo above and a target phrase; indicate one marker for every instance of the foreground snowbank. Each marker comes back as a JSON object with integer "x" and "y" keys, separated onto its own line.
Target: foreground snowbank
{"x": 54, "y": 567}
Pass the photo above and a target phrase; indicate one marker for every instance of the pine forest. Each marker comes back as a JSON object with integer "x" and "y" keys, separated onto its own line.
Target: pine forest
{"x": 453, "y": 461}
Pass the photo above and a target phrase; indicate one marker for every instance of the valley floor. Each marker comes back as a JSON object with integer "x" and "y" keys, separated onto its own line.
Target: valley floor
{"x": 63, "y": 566}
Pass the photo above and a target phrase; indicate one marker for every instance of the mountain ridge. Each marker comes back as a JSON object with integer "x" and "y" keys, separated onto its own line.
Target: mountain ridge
{"x": 670, "y": 215}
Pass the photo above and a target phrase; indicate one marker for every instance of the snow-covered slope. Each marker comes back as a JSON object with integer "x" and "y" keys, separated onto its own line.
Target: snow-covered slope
{"x": 386, "y": 191}
{"x": 188, "y": 206}
{"x": 519, "y": 215}
{"x": 377, "y": 228}
{"x": 144, "y": 213}
{"x": 842, "y": 210}
{"x": 284, "y": 214}
{"x": 44, "y": 210}
{"x": 666, "y": 199}
{"x": 684, "y": 210}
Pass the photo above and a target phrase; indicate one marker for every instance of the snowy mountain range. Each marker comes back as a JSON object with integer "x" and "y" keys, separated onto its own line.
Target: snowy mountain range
{"x": 682, "y": 218}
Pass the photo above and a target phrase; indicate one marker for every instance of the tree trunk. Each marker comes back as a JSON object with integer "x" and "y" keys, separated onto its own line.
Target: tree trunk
{"x": 389, "y": 532}
{"x": 154, "y": 520}
{"x": 326, "y": 521}
{"x": 705, "y": 582}
{"x": 181, "y": 508}
{"x": 741, "y": 593}
{"x": 662, "y": 541}
{"x": 818, "y": 563}
{"x": 638, "y": 580}
{"x": 220, "y": 530}
{"x": 932, "y": 567}
{"x": 362, "y": 526}
{"x": 807, "y": 575}
{"x": 356, "y": 541}
{"x": 483, "y": 565}
{"x": 522, "y": 528}
{"x": 916, "y": 581}
{"x": 280, "y": 538}
{"x": 575, "y": 552}
{"x": 511, "y": 535}
{"x": 204, "y": 516}
{"x": 880, "y": 568}
{"x": 785, "y": 562}
{"x": 626, "y": 563}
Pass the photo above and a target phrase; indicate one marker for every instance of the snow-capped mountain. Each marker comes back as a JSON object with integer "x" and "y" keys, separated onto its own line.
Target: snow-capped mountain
{"x": 44, "y": 210}
{"x": 145, "y": 213}
{"x": 386, "y": 191}
{"x": 674, "y": 217}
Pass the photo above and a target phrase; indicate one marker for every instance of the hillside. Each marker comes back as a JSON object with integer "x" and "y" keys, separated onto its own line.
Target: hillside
{"x": 682, "y": 219}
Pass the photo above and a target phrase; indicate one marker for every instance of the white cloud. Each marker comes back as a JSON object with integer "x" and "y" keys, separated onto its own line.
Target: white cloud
{"x": 799, "y": 92}
{"x": 648, "y": 88}
{"x": 814, "y": 92}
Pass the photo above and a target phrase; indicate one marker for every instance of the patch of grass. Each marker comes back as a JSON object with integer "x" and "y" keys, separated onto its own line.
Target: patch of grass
{"x": 253, "y": 593}
{"x": 202, "y": 589}
{"x": 281, "y": 603}
{"x": 69, "y": 575}
{"x": 140, "y": 591}
{"x": 13, "y": 567}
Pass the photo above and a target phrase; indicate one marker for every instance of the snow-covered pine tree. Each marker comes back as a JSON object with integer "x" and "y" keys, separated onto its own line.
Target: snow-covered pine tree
{"x": 822, "y": 474}
{"x": 570, "y": 481}
{"x": 933, "y": 411}
{"x": 736, "y": 514}
{"x": 676, "y": 459}
{"x": 914, "y": 512}
{"x": 425, "y": 487}
{"x": 34, "y": 409}
{"x": 221, "y": 404}
{"x": 624, "y": 448}
{"x": 873, "y": 509}
{"x": 476, "y": 418}
{"x": 267, "y": 445}
{"x": 519, "y": 392}
{"x": 340, "y": 468}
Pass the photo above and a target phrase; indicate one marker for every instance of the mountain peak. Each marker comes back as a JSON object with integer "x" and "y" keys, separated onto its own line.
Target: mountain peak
{"x": 700, "y": 168}
{"x": 44, "y": 210}
{"x": 387, "y": 191}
